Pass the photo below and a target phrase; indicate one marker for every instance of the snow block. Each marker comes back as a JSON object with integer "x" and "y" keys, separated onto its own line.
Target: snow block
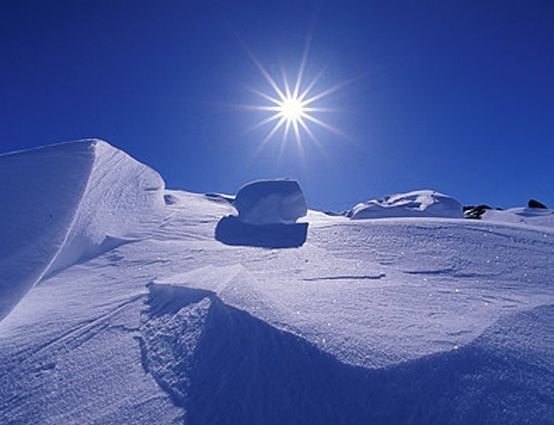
{"x": 270, "y": 202}
{"x": 65, "y": 203}
{"x": 419, "y": 203}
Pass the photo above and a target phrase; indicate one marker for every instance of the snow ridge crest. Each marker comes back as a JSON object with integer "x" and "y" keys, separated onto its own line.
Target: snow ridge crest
{"x": 68, "y": 202}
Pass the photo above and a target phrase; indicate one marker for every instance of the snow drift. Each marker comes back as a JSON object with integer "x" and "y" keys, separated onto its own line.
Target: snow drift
{"x": 220, "y": 364}
{"x": 65, "y": 203}
{"x": 271, "y": 202}
{"x": 366, "y": 321}
{"x": 543, "y": 217}
{"x": 419, "y": 203}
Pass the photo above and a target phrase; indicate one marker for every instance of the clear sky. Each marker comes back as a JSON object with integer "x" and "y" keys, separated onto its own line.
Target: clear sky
{"x": 456, "y": 96}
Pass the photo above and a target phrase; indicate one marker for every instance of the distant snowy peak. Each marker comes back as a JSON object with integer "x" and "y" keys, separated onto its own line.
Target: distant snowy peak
{"x": 65, "y": 203}
{"x": 535, "y": 214}
{"x": 419, "y": 203}
{"x": 542, "y": 217}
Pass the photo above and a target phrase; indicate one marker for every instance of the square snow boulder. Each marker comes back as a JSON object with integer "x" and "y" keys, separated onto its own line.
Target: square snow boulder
{"x": 270, "y": 202}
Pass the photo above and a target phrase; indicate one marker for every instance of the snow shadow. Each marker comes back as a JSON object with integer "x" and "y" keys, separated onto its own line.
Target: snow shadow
{"x": 232, "y": 231}
{"x": 224, "y": 366}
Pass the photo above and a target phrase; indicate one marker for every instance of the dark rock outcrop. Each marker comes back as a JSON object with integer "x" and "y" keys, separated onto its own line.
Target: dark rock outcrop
{"x": 533, "y": 203}
{"x": 474, "y": 212}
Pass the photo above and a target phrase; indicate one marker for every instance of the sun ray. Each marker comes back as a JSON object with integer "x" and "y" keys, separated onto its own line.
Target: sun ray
{"x": 286, "y": 84}
{"x": 270, "y": 108}
{"x": 281, "y": 148}
{"x": 296, "y": 132}
{"x": 312, "y": 109}
{"x": 297, "y": 137}
{"x": 263, "y": 95}
{"x": 264, "y": 122}
{"x": 309, "y": 132}
{"x": 274, "y": 130}
{"x": 327, "y": 127}
{"x": 294, "y": 108}
{"x": 268, "y": 77}
{"x": 302, "y": 67}
{"x": 310, "y": 86}
{"x": 287, "y": 129}
{"x": 327, "y": 92}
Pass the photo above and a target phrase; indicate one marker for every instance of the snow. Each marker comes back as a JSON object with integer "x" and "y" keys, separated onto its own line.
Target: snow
{"x": 543, "y": 217}
{"x": 270, "y": 201}
{"x": 66, "y": 203}
{"x": 419, "y": 203}
{"x": 405, "y": 320}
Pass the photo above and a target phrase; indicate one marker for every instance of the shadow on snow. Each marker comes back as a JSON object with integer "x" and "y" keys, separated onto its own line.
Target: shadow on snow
{"x": 224, "y": 366}
{"x": 231, "y": 231}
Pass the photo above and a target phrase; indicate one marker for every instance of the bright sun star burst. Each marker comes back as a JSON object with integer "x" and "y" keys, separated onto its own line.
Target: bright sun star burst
{"x": 292, "y": 108}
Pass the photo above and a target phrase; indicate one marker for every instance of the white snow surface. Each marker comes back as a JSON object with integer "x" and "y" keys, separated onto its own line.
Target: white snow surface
{"x": 394, "y": 321}
{"x": 543, "y": 217}
{"x": 270, "y": 202}
{"x": 65, "y": 203}
{"x": 419, "y": 203}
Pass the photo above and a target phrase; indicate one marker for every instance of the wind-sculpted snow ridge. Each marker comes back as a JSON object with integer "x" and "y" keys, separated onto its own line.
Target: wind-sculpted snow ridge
{"x": 222, "y": 365}
{"x": 419, "y": 203}
{"x": 397, "y": 321}
{"x": 64, "y": 203}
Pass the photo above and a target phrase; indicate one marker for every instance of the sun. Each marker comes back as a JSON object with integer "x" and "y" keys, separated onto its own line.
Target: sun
{"x": 293, "y": 107}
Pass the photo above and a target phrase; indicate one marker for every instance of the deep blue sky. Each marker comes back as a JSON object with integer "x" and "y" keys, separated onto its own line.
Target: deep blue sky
{"x": 457, "y": 96}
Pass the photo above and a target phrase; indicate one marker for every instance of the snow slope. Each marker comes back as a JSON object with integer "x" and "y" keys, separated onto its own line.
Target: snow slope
{"x": 390, "y": 321}
{"x": 419, "y": 203}
{"x": 543, "y": 217}
{"x": 65, "y": 203}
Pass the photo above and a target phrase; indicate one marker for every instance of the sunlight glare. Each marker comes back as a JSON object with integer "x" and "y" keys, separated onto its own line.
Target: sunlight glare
{"x": 293, "y": 107}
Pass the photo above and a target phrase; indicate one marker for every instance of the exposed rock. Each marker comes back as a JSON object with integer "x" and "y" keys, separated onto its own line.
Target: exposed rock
{"x": 475, "y": 212}
{"x": 533, "y": 203}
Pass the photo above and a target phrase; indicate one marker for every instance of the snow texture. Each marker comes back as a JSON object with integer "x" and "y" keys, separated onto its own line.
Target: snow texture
{"x": 398, "y": 321}
{"x": 419, "y": 203}
{"x": 543, "y": 217}
{"x": 270, "y": 202}
{"x": 65, "y": 203}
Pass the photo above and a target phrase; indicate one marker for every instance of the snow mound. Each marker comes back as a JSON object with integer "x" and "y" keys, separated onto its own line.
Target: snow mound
{"x": 271, "y": 202}
{"x": 66, "y": 203}
{"x": 542, "y": 217}
{"x": 400, "y": 321}
{"x": 419, "y": 203}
